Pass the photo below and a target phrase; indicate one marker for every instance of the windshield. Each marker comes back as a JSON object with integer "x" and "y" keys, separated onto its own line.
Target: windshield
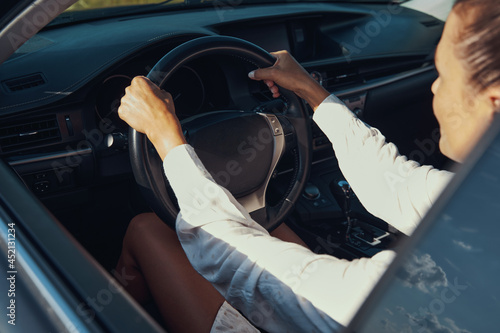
{"x": 98, "y": 4}
{"x": 95, "y": 9}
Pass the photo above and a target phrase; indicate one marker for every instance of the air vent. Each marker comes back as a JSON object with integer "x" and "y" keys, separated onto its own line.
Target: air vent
{"x": 366, "y": 71}
{"x": 341, "y": 77}
{"x": 30, "y": 133}
{"x": 24, "y": 82}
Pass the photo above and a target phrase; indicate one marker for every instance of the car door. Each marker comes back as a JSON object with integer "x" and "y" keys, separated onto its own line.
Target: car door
{"x": 445, "y": 278}
{"x": 49, "y": 282}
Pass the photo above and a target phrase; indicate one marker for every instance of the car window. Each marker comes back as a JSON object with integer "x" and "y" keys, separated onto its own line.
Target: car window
{"x": 437, "y": 8}
{"x": 448, "y": 282}
{"x": 95, "y": 4}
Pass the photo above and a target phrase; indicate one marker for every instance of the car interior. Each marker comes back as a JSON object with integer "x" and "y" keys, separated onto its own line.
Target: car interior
{"x": 60, "y": 91}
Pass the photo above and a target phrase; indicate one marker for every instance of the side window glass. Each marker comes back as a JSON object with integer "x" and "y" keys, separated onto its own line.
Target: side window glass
{"x": 450, "y": 281}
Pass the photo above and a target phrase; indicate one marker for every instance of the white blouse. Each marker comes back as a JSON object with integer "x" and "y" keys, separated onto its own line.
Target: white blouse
{"x": 281, "y": 286}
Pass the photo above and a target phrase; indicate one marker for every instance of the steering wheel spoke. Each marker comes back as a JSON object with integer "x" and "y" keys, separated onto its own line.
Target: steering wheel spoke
{"x": 256, "y": 200}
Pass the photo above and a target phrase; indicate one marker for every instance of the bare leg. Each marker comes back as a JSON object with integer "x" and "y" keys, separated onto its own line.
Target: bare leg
{"x": 153, "y": 255}
{"x": 286, "y": 234}
{"x": 152, "y": 252}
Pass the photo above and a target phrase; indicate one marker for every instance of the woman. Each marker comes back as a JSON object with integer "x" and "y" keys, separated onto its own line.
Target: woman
{"x": 294, "y": 289}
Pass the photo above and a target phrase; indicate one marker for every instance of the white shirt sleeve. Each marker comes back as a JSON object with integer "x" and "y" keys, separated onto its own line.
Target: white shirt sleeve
{"x": 284, "y": 287}
{"x": 279, "y": 286}
{"x": 388, "y": 185}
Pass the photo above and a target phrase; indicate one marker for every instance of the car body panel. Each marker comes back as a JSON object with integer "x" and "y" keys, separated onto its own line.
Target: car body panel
{"x": 91, "y": 294}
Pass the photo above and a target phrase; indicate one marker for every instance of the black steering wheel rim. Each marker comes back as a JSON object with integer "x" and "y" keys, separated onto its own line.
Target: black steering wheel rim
{"x": 146, "y": 164}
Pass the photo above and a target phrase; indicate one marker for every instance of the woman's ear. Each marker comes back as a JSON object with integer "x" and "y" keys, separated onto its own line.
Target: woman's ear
{"x": 496, "y": 104}
{"x": 494, "y": 95}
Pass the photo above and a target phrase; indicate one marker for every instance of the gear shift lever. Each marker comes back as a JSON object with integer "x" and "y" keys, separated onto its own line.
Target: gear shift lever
{"x": 346, "y": 188}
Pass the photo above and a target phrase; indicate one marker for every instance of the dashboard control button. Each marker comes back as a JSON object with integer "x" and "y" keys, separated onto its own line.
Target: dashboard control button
{"x": 41, "y": 187}
{"x": 311, "y": 192}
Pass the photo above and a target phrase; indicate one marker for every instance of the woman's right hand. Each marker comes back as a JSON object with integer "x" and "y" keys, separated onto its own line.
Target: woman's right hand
{"x": 151, "y": 111}
{"x": 289, "y": 74}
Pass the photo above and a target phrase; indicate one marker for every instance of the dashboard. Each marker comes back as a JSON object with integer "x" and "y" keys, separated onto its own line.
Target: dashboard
{"x": 59, "y": 93}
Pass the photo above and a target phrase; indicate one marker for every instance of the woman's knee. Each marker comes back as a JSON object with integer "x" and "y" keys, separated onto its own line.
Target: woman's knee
{"x": 144, "y": 228}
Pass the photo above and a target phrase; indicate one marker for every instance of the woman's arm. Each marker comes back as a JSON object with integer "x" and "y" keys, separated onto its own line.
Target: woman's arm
{"x": 388, "y": 185}
{"x": 279, "y": 286}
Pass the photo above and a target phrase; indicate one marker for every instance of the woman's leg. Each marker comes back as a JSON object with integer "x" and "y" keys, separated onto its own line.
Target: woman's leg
{"x": 152, "y": 254}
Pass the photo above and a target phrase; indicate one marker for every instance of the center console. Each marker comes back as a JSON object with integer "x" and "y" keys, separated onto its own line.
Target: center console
{"x": 330, "y": 218}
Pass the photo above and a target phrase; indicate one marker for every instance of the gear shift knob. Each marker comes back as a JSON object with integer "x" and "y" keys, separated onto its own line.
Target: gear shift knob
{"x": 346, "y": 188}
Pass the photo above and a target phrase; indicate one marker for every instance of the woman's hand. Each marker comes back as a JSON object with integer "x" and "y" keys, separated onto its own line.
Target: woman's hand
{"x": 151, "y": 111}
{"x": 289, "y": 74}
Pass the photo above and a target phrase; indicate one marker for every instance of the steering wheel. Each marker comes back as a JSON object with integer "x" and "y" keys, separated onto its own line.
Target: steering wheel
{"x": 240, "y": 149}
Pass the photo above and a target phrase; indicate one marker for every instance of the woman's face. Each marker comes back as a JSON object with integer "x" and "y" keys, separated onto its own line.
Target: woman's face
{"x": 463, "y": 114}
